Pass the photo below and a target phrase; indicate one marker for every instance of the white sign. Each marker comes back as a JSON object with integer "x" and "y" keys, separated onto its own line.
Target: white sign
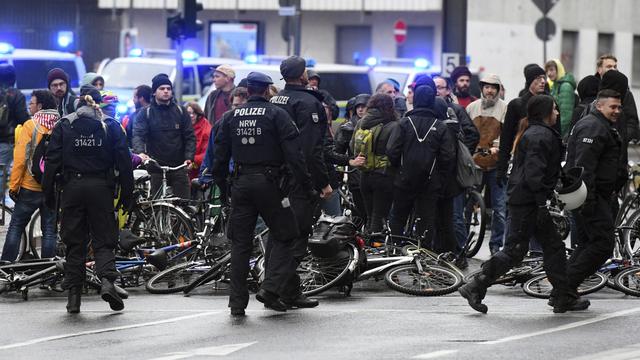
{"x": 449, "y": 62}
{"x": 287, "y": 11}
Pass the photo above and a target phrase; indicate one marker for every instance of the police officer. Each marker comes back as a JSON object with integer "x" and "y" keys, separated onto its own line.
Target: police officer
{"x": 305, "y": 108}
{"x": 261, "y": 138}
{"x": 536, "y": 169}
{"x": 86, "y": 148}
{"x": 595, "y": 145}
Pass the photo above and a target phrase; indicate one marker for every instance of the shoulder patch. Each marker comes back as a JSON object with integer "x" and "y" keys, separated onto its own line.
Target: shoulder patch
{"x": 315, "y": 117}
{"x": 587, "y": 140}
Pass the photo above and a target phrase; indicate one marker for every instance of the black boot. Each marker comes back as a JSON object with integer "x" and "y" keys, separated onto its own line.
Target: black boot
{"x": 474, "y": 292}
{"x": 73, "y": 299}
{"x": 571, "y": 301}
{"x": 109, "y": 294}
{"x": 270, "y": 300}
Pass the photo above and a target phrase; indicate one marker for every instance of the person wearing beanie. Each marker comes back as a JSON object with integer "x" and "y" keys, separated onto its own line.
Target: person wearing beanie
{"x": 562, "y": 87}
{"x": 218, "y": 101}
{"x": 23, "y": 187}
{"x": 58, "y": 83}
{"x": 536, "y": 171}
{"x": 416, "y": 145}
{"x": 587, "y": 92}
{"x": 14, "y": 114}
{"x": 163, "y": 132}
{"x": 87, "y": 148}
{"x": 305, "y": 108}
{"x": 461, "y": 79}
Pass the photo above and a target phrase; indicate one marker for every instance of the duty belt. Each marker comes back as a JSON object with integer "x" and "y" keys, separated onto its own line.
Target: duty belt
{"x": 80, "y": 175}
{"x": 248, "y": 169}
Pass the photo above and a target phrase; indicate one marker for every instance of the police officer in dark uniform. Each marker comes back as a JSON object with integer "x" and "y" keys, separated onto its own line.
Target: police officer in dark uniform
{"x": 595, "y": 145}
{"x": 86, "y": 149}
{"x": 263, "y": 141}
{"x": 305, "y": 108}
{"x": 536, "y": 170}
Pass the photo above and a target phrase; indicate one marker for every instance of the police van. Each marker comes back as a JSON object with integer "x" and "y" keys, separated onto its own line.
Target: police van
{"x": 33, "y": 65}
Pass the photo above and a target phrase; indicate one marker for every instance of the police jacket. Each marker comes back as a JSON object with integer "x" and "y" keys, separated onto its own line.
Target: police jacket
{"x": 164, "y": 132}
{"x": 87, "y": 143}
{"x": 305, "y": 108}
{"x": 417, "y": 143}
{"x": 536, "y": 165}
{"x": 259, "y": 133}
{"x": 595, "y": 145}
{"x": 17, "y": 107}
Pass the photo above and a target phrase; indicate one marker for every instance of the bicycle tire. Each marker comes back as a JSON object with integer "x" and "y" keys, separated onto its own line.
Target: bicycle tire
{"x": 214, "y": 273}
{"x": 183, "y": 272}
{"x": 165, "y": 224}
{"x": 423, "y": 283}
{"x": 321, "y": 274}
{"x": 628, "y": 281}
{"x": 540, "y": 287}
{"x": 475, "y": 217}
{"x": 631, "y": 237}
{"x": 527, "y": 269}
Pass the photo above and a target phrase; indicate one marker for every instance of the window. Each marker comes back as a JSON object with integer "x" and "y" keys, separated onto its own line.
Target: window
{"x": 124, "y": 74}
{"x": 353, "y": 44}
{"x": 343, "y": 86}
{"x": 32, "y": 74}
{"x": 188, "y": 81}
{"x": 635, "y": 60}
{"x": 605, "y": 44}
{"x": 569, "y": 49}
{"x": 419, "y": 43}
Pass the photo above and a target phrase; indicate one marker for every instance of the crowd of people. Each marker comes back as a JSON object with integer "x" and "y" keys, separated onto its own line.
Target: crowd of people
{"x": 274, "y": 154}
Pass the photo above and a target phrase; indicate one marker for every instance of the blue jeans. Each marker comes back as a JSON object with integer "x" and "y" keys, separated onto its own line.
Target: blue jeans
{"x": 6, "y": 158}
{"x": 331, "y": 206}
{"x": 28, "y": 202}
{"x": 459, "y": 225}
{"x": 499, "y": 207}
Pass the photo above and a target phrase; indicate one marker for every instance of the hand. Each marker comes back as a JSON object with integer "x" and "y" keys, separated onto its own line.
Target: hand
{"x": 326, "y": 192}
{"x": 494, "y": 150}
{"x": 543, "y": 217}
{"x": 358, "y": 161}
{"x": 14, "y": 195}
{"x": 188, "y": 163}
{"x": 144, "y": 157}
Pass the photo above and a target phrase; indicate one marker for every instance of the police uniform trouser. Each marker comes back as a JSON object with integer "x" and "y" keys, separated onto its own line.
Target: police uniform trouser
{"x": 522, "y": 226}
{"x": 595, "y": 225}
{"x": 303, "y": 209}
{"x": 253, "y": 195}
{"x": 87, "y": 213}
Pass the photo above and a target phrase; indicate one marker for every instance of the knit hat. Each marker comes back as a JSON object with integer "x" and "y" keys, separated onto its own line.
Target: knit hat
{"x": 159, "y": 80}
{"x": 424, "y": 93}
{"x": 226, "y": 70}
{"x": 7, "y": 74}
{"x": 588, "y": 87}
{"x": 459, "y": 71}
{"x": 531, "y": 72}
{"x": 91, "y": 91}
{"x": 616, "y": 81}
{"x": 57, "y": 73}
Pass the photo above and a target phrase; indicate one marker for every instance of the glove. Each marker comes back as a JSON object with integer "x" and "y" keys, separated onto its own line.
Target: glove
{"x": 13, "y": 195}
{"x": 543, "y": 217}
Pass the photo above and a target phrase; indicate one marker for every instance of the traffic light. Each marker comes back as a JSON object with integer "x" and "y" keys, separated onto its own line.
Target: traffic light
{"x": 190, "y": 14}
{"x": 175, "y": 26}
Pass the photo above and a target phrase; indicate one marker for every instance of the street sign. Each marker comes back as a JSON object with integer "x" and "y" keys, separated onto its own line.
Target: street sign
{"x": 287, "y": 11}
{"x": 449, "y": 62}
{"x": 545, "y": 5}
{"x": 545, "y": 29}
{"x": 400, "y": 31}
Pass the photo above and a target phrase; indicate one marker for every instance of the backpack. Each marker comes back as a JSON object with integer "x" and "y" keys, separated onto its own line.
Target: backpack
{"x": 35, "y": 154}
{"x": 4, "y": 110}
{"x": 468, "y": 174}
{"x": 365, "y": 143}
{"x": 422, "y": 139}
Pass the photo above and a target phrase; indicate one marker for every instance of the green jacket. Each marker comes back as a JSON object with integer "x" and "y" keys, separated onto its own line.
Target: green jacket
{"x": 563, "y": 91}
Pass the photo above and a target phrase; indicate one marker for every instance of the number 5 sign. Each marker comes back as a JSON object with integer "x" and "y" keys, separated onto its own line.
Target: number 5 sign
{"x": 449, "y": 62}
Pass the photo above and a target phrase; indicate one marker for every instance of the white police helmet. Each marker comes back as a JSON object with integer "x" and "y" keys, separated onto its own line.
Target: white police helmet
{"x": 573, "y": 192}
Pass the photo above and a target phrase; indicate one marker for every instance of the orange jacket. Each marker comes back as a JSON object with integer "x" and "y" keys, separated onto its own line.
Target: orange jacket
{"x": 20, "y": 177}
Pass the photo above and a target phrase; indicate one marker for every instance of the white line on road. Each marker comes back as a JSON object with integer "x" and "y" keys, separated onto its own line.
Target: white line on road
{"x": 220, "y": 350}
{"x": 435, "y": 354}
{"x": 626, "y": 353}
{"x": 98, "y": 331}
{"x": 564, "y": 327}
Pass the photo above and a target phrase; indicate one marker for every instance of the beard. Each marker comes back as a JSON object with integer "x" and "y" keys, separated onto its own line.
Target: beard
{"x": 487, "y": 103}
{"x": 462, "y": 92}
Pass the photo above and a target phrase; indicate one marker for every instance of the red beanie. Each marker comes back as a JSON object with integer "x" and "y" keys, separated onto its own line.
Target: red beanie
{"x": 57, "y": 73}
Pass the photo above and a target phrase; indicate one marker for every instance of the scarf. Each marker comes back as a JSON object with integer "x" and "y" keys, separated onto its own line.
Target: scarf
{"x": 46, "y": 118}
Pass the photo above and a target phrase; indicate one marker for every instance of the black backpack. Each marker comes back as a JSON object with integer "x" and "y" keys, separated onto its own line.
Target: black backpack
{"x": 35, "y": 154}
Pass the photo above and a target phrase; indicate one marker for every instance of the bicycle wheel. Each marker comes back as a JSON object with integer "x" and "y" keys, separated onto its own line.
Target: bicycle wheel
{"x": 320, "y": 274}
{"x": 433, "y": 280}
{"x": 164, "y": 225}
{"x": 631, "y": 237}
{"x": 628, "y": 281}
{"x": 5, "y": 214}
{"x": 540, "y": 287}
{"x": 214, "y": 272}
{"x": 475, "y": 217}
{"x": 176, "y": 278}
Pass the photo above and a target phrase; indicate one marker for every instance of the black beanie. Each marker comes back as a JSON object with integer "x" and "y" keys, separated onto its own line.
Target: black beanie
{"x": 588, "y": 87}
{"x": 539, "y": 106}
{"x": 91, "y": 91}
{"x": 159, "y": 80}
{"x": 7, "y": 75}
{"x": 424, "y": 93}
{"x": 531, "y": 72}
{"x": 616, "y": 81}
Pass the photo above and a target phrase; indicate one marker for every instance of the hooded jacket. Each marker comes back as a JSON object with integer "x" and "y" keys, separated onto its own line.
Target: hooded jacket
{"x": 17, "y": 106}
{"x": 372, "y": 118}
{"x": 43, "y": 122}
{"x": 563, "y": 91}
{"x": 202, "y": 131}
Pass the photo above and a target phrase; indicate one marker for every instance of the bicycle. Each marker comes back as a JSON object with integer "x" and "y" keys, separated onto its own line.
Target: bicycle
{"x": 21, "y": 276}
{"x": 476, "y": 218}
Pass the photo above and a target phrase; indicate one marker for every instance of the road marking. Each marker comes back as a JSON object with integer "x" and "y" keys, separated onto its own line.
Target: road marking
{"x": 99, "y": 331}
{"x": 435, "y": 354}
{"x": 625, "y": 353}
{"x": 221, "y": 350}
{"x": 564, "y": 327}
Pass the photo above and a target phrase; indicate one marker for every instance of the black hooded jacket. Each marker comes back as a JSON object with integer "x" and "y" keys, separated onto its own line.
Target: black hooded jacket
{"x": 17, "y": 107}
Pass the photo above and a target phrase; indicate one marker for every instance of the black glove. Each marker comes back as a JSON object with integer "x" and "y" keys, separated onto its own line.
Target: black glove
{"x": 14, "y": 195}
{"x": 543, "y": 217}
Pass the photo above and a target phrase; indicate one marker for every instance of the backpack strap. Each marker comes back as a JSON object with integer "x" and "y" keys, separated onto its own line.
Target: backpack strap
{"x": 416, "y": 130}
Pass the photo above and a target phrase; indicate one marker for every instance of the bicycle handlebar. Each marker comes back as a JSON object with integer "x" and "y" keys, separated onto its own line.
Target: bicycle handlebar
{"x": 164, "y": 168}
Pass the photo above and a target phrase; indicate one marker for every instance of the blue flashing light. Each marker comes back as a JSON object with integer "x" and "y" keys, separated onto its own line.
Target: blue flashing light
{"x": 371, "y": 61}
{"x": 135, "y": 52}
{"x": 6, "y": 48}
{"x": 65, "y": 38}
{"x": 311, "y": 62}
{"x": 190, "y": 55}
{"x": 251, "y": 59}
{"x": 122, "y": 109}
{"x": 421, "y": 63}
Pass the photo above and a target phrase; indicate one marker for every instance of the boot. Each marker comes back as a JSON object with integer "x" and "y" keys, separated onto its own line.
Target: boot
{"x": 73, "y": 299}
{"x": 571, "y": 301}
{"x": 109, "y": 294}
{"x": 300, "y": 301}
{"x": 474, "y": 292}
